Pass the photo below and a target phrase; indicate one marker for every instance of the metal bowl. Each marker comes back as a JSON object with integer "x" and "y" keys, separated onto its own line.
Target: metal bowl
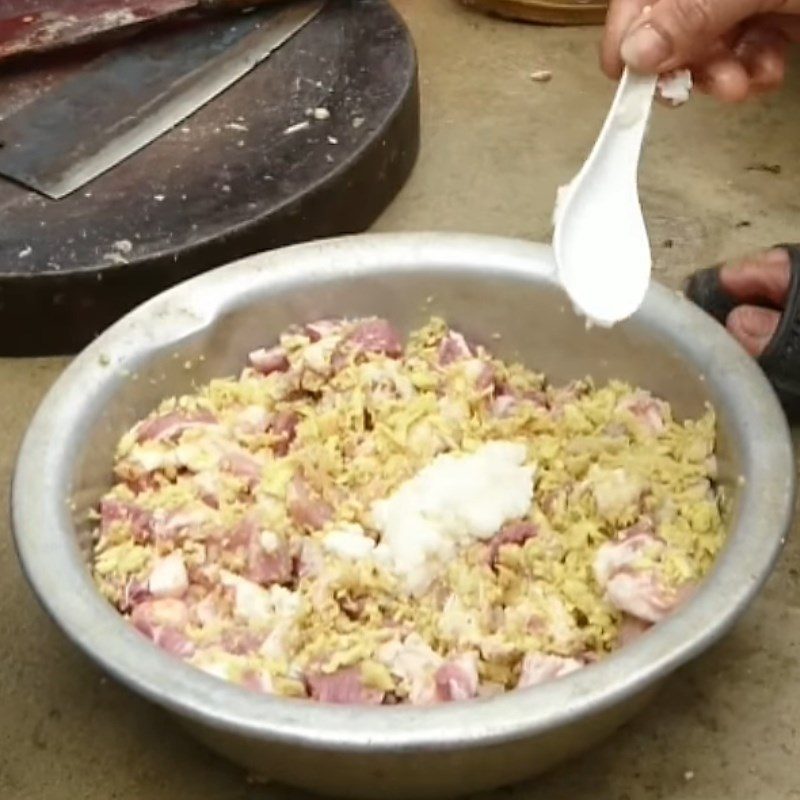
{"x": 499, "y": 291}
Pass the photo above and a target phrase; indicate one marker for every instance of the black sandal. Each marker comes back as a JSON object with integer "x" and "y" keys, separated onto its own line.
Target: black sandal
{"x": 781, "y": 358}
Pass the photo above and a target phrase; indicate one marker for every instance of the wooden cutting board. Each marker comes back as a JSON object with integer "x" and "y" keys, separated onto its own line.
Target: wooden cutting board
{"x": 315, "y": 142}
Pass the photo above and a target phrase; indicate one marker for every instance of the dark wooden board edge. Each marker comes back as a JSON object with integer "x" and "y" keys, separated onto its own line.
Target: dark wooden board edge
{"x": 52, "y": 314}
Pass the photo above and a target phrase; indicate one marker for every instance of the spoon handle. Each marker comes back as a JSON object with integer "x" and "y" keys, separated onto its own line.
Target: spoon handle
{"x": 600, "y": 240}
{"x": 619, "y": 144}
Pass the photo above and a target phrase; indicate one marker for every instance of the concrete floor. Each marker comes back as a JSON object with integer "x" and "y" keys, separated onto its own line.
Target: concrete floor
{"x": 496, "y": 145}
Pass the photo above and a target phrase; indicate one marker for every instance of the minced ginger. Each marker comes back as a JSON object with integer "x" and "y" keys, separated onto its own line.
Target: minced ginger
{"x": 531, "y": 529}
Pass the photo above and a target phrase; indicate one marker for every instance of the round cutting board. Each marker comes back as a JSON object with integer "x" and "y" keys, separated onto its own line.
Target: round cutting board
{"x": 315, "y": 142}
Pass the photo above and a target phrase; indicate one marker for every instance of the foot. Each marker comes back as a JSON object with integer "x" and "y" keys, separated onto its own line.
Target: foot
{"x": 760, "y": 284}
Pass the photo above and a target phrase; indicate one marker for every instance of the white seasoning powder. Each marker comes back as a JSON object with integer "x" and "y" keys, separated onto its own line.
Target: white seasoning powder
{"x": 348, "y": 542}
{"x": 675, "y": 87}
{"x": 450, "y": 503}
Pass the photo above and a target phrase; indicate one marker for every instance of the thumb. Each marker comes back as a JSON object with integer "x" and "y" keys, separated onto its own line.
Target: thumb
{"x": 673, "y": 33}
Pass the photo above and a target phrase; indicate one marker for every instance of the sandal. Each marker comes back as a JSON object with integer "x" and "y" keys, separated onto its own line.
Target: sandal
{"x": 545, "y": 12}
{"x": 781, "y": 358}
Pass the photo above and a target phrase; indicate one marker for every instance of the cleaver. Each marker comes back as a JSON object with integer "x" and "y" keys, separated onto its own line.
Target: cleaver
{"x": 38, "y": 26}
{"x": 123, "y": 100}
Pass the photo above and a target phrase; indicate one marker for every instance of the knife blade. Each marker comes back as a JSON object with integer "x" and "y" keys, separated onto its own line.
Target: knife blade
{"x": 28, "y": 30}
{"x": 72, "y": 134}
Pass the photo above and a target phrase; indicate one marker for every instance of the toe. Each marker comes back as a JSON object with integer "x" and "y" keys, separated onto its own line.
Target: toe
{"x": 753, "y": 327}
{"x": 763, "y": 278}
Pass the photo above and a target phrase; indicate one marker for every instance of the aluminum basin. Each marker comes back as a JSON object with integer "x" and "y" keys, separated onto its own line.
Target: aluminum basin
{"x": 499, "y": 291}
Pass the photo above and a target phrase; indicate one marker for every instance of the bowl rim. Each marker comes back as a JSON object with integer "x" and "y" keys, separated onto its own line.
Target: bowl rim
{"x": 43, "y": 531}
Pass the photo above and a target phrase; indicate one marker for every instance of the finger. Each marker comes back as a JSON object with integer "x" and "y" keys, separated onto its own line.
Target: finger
{"x": 767, "y": 71}
{"x": 677, "y": 32}
{"x": 787, "y": 21}
{"x": 621, "y": 15}
{"x": 762, "y": 52}
{"x": 753, "y": 327}
{"x": 725, "y": 78}
{"x": 764, "y": 278}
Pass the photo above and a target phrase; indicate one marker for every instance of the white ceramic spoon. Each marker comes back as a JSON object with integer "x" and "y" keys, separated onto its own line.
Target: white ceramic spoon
{"x": 601, "y": 246}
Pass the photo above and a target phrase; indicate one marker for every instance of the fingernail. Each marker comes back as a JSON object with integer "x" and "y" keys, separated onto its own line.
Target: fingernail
{"x": 645, "y": 49}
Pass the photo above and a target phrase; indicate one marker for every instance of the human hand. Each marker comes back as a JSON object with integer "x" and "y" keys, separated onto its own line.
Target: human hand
{"x": 735, "y": 48}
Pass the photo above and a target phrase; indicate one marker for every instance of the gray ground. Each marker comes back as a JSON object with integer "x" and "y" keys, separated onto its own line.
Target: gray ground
{"x": 496, "y": 145}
